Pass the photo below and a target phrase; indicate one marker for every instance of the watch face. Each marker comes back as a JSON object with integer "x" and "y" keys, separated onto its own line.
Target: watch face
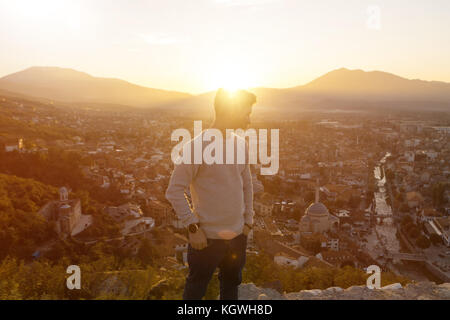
{"x": 193, "y": 228}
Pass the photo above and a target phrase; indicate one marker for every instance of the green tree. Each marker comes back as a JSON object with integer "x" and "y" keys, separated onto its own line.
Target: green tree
{"x": 438, "y": 192}
{"x": 147, "y": 252}
{"x": 423, "y": 242}
{"x": 435, "y": 239}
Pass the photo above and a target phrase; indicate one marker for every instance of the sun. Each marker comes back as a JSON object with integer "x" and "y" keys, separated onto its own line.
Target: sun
{"x": 230, "y": 77}
{"x": 230, "y": 80}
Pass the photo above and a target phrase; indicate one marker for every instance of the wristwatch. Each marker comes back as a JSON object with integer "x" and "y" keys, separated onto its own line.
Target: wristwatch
{"x": 193, "y": 228}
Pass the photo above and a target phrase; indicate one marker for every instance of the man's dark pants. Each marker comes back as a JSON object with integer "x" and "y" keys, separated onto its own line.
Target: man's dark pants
{"x": 228, "y": 256}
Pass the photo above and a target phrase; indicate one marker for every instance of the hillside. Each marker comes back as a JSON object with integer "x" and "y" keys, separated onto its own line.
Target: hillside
{"x": 21, "y": 228}
{"x": 370, "y": 90}
{"x": 341, "y": 89}
{"x": 68, "y": 85}
{"x": 412, "y": 291}
{"x": 374, "y": 85}
{"x": 338, "y": 89}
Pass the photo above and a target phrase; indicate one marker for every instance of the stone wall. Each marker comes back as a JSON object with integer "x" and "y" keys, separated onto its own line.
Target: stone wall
{"x": 412, "y": 291}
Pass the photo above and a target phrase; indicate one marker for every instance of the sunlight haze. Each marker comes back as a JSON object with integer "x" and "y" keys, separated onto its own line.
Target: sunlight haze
{"x": 197, "y": 46}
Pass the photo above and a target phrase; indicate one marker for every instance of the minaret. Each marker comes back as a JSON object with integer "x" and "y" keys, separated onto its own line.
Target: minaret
{"x": 317, "y": 191}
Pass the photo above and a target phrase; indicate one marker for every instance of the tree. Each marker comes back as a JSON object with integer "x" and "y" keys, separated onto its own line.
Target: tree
{"x": 309, "y": 197}
{"x": 404, "y": 207}
{"x": 423, "y": 242}
{"x": 349, "y": 276}
{"x": 22, "y": 227}
{"x": 435, "y": 239}
{"x": 312, "y": 244}
{"x": 390, "y": 175}
{"x": 354, "y": 202}
{"x": 147, "y": 252}
{"x": 414, "y": 231}
{"x": 438, "y": 192}
{"x": 407, "y": 220}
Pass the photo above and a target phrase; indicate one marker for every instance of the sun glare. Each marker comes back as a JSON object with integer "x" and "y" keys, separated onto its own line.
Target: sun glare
{"x": 46, "y": 12}
{"x": 230, "y": 77}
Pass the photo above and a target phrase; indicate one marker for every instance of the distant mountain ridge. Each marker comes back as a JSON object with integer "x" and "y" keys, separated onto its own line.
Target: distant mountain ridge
{"x": 68, "y": 85}
{"x": 344, "y": 89}
{"x": 339, "y": 88}
{"x": 375, "y": 85}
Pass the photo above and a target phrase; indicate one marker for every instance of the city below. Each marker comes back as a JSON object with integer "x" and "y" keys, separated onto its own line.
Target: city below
{"x": 355, "y": 188}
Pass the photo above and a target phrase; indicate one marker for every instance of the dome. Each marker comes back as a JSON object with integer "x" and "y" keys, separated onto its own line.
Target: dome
{"x": 317, "y": 209}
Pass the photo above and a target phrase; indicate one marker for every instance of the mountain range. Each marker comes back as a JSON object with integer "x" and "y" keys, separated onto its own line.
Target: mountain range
{"x": 68, "y": 85}
{"x": 336, "y": 89}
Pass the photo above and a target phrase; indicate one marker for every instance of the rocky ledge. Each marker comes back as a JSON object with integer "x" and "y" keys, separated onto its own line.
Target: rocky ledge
{"x": 412, "y": 291}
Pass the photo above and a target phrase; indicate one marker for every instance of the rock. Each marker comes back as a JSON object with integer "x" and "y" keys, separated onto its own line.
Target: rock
{"x": 424, "y": 297}
{"x": 276, "y": 285}
{"x": 314, "y": 292}
{"x": 293, "y": 296}
{"x": 444, "y": 286}
{"x": 394, "y": 286}
{"x": 424, "y": 285}
{"x": 273, "y": 294}
{"x": 412, "y": 291}
{"x": 334, "y": 289}
{"x": 305, "y": 295}
{"x": 248, "y": 291}
{"x": 356, "y": 290}
{"x": 443, "y": 291}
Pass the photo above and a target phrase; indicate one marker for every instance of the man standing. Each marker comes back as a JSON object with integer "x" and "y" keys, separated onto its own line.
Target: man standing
{"x": 222, "y": 204}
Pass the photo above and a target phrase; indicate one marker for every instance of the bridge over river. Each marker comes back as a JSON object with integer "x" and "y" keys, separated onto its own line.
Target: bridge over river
{"x": 406, "y": 256}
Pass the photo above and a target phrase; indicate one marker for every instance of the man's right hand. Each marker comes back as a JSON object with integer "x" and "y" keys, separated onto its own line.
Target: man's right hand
{"x": 198, "y": 239}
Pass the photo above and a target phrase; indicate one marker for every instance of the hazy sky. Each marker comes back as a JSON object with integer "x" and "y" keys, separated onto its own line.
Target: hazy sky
{"x": 198, "y": 45}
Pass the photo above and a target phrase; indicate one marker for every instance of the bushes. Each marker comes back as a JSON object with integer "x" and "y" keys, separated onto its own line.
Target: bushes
{"x": 21, "y": 227}
{"x": 407, "y": 220}
{"x": 106, "y": 277}
{"x": 312, "y": 244}
{"x": 261, "y": 269}
{"x": 34, "y": 281}
{"x": 423, "y": 242}
{"x": 410, "y": 227}
{"x": 58, "y": 168}
{"x": 414, "y": 232}
{"x": 435, "y": 239}
{"x": 348, "y": 276}
{"x": 404, "y": 207}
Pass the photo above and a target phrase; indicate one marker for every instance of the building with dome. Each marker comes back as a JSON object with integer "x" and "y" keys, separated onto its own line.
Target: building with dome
{"x": 317, "y": 218}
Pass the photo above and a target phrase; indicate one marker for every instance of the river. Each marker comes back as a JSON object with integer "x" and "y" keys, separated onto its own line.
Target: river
{"x": 383, "y": 239}
{"x": 385, "y": 226}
